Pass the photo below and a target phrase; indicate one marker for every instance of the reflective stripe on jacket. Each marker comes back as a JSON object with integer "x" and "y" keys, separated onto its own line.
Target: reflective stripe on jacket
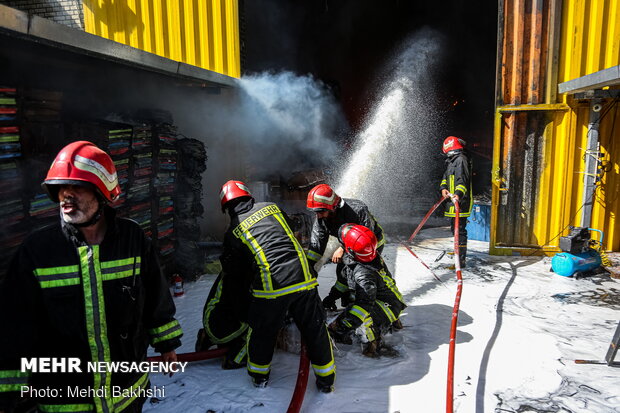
{"x": 373, "y": 285}
{"x": 262, "y": 240}
{"x": 99, "y": 303}
{"x": 457, "y": 180}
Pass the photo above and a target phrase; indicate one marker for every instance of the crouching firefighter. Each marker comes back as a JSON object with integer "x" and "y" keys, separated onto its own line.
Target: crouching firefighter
{"x": 378, "y": 303}
{"x": 260, "y": 241}
{"x": 88, "y": 287}
{"x": 224, "y": 319}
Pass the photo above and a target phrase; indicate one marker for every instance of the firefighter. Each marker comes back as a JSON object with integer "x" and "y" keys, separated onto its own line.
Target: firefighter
{"x": 378, "y": 303}
{"x": 331, "y": 213}
{"x": 259, "y": 241}
{"x": 456, "y": 182}
{"x": 87, "y": 287}
{"x": 224, "y": 319}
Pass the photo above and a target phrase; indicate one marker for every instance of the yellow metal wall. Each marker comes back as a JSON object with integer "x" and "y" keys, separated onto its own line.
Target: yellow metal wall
{"x": 203, "y": 33}
{"x": 589, "y": 41}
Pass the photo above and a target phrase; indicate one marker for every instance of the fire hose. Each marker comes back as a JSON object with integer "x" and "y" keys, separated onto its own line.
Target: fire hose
{"x": 419, "y": 227}
{"x": 302, "y": 381}
{"x": 457, "y": 300}
{"x": 455, "y": 311}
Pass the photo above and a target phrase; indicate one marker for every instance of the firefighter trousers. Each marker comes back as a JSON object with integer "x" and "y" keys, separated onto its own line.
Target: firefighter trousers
{"x": 266, "y": 318}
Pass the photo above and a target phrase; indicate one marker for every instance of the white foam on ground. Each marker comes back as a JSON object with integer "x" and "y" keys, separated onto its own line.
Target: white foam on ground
{"x": 515, "y": 352}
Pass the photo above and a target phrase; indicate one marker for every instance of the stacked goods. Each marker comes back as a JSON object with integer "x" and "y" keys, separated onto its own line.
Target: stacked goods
{"x": 166, "y": 167}
{"x": 12, "y": 211}
{"x": 8, "y": 104}
{"x": 188, "y": 206}
{"x": 140, "y": 187}
{"x": 166, "y": 171}
{"x": 119, "y": 148}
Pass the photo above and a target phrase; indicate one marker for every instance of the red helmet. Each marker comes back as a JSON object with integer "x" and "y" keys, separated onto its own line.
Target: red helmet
{"x": 81, "y": 162}
{"x": 359, "y": 241}
{"x": 232, "y": 190}
{"x": 322, "y": 197}
{"x": 452, "y": 143}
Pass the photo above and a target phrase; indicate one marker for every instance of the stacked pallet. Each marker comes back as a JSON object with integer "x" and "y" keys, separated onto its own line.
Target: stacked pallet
{"x": 12, "y": 211}
{"x": 165, "y": 170}
{"x": 119, "y": 148}
{"x": 139, "y": 192}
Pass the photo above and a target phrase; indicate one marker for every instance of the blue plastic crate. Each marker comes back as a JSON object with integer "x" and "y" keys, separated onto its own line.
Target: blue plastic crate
{"x": 479, "y": 223}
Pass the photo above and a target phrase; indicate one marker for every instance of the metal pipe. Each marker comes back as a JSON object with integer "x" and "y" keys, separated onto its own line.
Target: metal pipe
{"x": 591, "y": 164}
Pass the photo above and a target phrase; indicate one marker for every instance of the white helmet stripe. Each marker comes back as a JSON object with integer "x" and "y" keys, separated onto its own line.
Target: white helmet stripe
{"x": 242, "y": 187}
{"x": 325, "y": 199}
{"x": 110, "y": 180}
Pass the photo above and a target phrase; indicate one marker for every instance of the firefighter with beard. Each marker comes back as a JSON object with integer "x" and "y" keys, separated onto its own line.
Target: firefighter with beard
{"x": 378, "y": 303}
{"x": 456, "y": 182}
{"x": 87, "y": 287}
{"x": 260, "y": 244}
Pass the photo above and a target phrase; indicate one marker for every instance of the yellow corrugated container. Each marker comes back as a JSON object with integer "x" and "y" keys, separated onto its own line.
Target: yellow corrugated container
{"x": 589, "y": 41}
{"x": 203, "y": 33}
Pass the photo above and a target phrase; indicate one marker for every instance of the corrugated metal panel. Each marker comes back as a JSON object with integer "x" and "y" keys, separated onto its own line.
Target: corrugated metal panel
{"x": 590, "y": 37}
{"x": 606, "y": 210}
{"x": 538, "y": 164}
{"x": 521, "y": 123}
{"x": 590, "y": 43}
{"x": 203, "y": 33}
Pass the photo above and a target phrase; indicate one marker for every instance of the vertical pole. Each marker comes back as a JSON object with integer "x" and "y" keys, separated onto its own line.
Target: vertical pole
{"x": 592, "y": 159}
{"x": 613, "y": 347}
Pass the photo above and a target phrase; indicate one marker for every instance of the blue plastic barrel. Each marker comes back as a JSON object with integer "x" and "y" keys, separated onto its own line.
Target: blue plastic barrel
{"x": 479, "y": 223}
{"x": 566, "y": 264}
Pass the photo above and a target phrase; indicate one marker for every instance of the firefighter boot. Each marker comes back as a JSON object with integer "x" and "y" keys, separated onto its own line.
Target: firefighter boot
{"x": 235, "y": 357}
{"x": 260, "y": 380}
{"x": 325, "y": 384}
{"x": 371, "y": 348}
{"x": 397, "y": 325}
{"x": 202, "y": 341}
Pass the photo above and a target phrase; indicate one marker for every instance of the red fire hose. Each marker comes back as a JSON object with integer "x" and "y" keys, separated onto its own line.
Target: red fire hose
{"x": 428, "y": 214}
{"x": 420, "y": 225}
{"x": 302, "y": 381}
{"x": 195, "y": 356}
{"x": 457, "y": 300}
{"x": 455, "y": 312}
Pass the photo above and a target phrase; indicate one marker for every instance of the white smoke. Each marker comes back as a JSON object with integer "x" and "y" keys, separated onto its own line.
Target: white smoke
{"x": 393, "y": 164}
{"x": 295, "y": 119}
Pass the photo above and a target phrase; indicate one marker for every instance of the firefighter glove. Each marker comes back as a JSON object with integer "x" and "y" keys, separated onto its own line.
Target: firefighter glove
{"x": 329, "y": 303}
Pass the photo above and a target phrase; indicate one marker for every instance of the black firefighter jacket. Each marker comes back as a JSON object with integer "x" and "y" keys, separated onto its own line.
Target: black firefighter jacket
{"x": 349, "y": 211}
{"x": 457, "y": 180}
{"x": 376, "y": 294}
{"x": 62, "y": 298}
{"x": 260, "y": 244}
